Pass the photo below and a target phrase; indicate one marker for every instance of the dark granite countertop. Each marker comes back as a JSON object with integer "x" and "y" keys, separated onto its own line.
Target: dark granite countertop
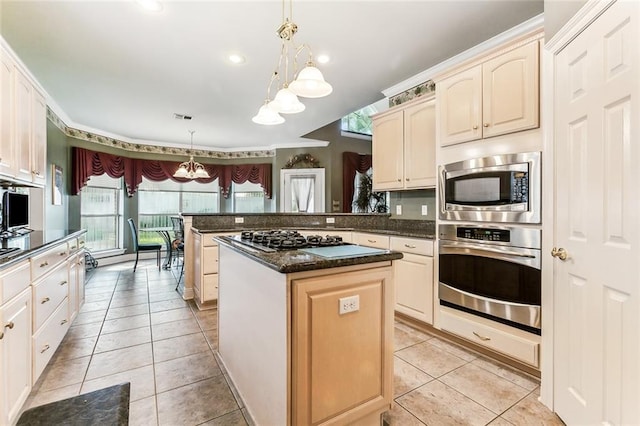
{"x": 298, "y": 260}
{"x": 33, "y": 243}
{"x": 329, "y": 230}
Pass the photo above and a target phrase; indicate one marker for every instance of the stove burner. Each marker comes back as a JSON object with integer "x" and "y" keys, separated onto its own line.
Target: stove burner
{"x": 283, "y": 239}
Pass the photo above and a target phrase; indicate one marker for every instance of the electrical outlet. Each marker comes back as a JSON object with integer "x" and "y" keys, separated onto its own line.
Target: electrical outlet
{"x": 349, "y": 304}
{"x": 239, "y": 219}
{"x": 331, "y": 220}
{"x": 425, "y": 210}
{"x": 399, "y": 209}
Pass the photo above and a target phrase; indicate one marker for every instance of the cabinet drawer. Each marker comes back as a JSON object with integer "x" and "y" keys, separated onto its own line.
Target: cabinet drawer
{"x": 412, "y": 245}
{"x": 47, "y": 339}
{"x": 210, "y": 260}
{"x": 73, "y": 245}
{"x": 45, "y": 262}
{"x": 207, "y": 240}
{"x": 13, "y": 281}
{"x": 517, "y": 344}
{"x": 371, "y": 240}
{"x": 48, "y": 293}
{"x": 210, "y": 288}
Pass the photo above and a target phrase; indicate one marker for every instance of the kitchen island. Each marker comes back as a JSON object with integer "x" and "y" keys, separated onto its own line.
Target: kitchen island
{"x": 306, "y": 336}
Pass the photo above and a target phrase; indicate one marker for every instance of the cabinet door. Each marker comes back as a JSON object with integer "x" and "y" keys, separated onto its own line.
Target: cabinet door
{"x": 420, "y": 145}
{"x": 81, "y": 277}
{"x": 510, "y": 92}
{"x": 197, "y": 263}
{"x": 386, "y": 151}
{"x": 39, "y": 139}
{"x": 15, "y": 356}
{"x": 6, "y": 108}
{"x": 459, "y": 107}
{"x": 414, "y": 286}
{"x": 23, "y": 128}
{"x": 73, "y": 287}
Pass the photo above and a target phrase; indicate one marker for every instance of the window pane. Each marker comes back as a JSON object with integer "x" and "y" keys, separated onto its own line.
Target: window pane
{"x": 105, "y": 181}
{"x": 99, "y": 201}
{"x": 199, "y": 202}
{"x": 102, "y": 232}
{"x": 248, "y": 198}
{"x": 157, "y": 202}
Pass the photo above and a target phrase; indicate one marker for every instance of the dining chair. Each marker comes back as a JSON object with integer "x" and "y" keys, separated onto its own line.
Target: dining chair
{"x": 178, "y": 243}
{"x": 137, "y": 247}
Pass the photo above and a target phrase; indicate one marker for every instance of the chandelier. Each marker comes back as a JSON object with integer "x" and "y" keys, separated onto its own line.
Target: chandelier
{"x": 308, "y": 83}
{"x": 191, "y": 169}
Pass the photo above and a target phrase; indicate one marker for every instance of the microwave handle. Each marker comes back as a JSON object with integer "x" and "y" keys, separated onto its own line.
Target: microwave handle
{"x": 495, "y": 253}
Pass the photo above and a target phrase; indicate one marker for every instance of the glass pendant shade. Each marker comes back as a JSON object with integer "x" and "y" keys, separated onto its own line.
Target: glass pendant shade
{"x": 191, "y": 169}
{"x": 286, "y": 102}
{"x": 267, "y": 116}
{"x": 310, "y": 83}
{"x": 181, "y": 172}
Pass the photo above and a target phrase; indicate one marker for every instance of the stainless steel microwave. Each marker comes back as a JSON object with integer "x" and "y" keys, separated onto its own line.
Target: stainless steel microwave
{"x": 500, "y": 188}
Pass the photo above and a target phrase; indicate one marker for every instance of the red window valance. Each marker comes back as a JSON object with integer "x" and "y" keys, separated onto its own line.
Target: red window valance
{"x": 87, "y": 163}
{"x": 352, "y": 162}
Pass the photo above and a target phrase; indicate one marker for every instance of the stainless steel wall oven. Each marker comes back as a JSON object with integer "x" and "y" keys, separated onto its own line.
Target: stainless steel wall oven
{"x": 492, "y": 271}
{"x": 500, "y": 188}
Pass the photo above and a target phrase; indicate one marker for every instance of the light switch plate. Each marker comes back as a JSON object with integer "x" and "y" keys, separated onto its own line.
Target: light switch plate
{"x": 239, "y": 220}
{"x": 399, "y": 209}
{"x": 425, "y": 210}
{"x": 331, "y": 220}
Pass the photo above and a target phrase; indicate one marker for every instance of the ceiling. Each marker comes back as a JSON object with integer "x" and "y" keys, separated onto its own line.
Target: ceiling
{"x": 116, "y": 69}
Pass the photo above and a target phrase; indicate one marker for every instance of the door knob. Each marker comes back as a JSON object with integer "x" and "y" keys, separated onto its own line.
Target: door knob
{"x": 560, "y": 253}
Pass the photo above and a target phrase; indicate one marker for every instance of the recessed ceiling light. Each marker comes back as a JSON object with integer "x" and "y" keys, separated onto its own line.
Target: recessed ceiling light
{"x": 152, "y": 5}
{"x": 236, "y": 59}
{"x": 323, "y": 59}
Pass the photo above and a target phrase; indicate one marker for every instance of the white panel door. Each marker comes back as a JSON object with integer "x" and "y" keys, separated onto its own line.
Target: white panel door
{"x": 597, "y": 195}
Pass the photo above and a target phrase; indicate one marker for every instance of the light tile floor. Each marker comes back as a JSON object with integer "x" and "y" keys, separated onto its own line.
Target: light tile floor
{"x": 135, "y": 327}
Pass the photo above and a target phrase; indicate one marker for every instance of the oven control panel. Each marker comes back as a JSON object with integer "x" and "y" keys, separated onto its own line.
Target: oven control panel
{"x": 485, "y": 234}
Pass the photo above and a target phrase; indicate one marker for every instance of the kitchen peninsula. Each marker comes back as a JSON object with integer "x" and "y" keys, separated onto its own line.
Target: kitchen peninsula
{"x": 306, "y": 335}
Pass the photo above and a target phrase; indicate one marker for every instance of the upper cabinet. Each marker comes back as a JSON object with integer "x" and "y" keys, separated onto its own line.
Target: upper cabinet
{"x": 23, "y": 126}
{"x": 403, "y": 150}
{"x": 494, "y": 98}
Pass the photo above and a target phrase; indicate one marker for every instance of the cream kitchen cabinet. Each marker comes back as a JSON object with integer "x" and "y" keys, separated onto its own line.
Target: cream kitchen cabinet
{"x": 15, "y": 341}
{"x": 414, "y": 278}
{"x": 205, "y": 286}
{"x": 404, "y": 147}
{"x": 496, "y": 97}
{"x": 7, "y": 73}
{"x": 76, "y": 270}
{"x": 24, "y": 151}
{"x": 370, "y": 240}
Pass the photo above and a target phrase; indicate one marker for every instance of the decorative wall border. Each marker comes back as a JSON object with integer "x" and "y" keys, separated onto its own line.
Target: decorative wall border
{"x": 153, "y": 149}
{"x": 426, "y": 88}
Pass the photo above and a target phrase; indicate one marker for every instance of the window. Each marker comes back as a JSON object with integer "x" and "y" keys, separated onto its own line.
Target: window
{"x": 247, "y": 198}
{"x": 359, "y": 122}
{"x": 158, "y": 201}
{"x": 101, "y": 212}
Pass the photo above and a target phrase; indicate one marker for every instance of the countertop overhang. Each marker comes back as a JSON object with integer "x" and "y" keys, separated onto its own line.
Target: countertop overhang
{"x": 290, "y": 261}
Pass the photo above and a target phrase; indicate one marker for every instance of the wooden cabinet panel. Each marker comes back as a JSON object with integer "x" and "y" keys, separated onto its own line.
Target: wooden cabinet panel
{"x": 210, "y": 260}
{"x": 420, "y": 145}
{"x": 7, "y": 129}
{"x": 414, "y": 287}
{"x": 356, "y": 345}
{"x": 460, "y": 102}
{"x": 45, "y": 262}
{"x": 15, "y": 356}
{"x": 49, "y": 293}
{"x": 494, "y": 98}
{"x": 403, "y": 147}
{"x": 205, "y": 285}
{"x": 47, "y": 339}
{"x": 387, "y": 151}
{"x": 23, "y": 92}
{"x": 13, "y": 281}
{"x": 39, "y": 139}
{"x": 517, "y": 344}
{"x": 371, "y": 240}
{"x": 510, "y": 92}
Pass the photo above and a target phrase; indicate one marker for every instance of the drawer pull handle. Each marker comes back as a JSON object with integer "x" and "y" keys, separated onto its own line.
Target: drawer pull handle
{"x": 73, "y": 247}
{"x": 63, "y": 322}
{"x": 63, "y": 282}
{"x": 64, "y": 253}
{"x": 44, "y": 349}
{"x": 372, "y": 241}
{"x": 486, "y": 124}
{"x": 45, "y": 263}
{"x": 1, "y": 335}
{"x": 475, "y": 127}
{"x": 45, "y": 300}
{"x": 409, "y": 246}
{"x": 9, "y": 325}
{"x": 81, "y": 242}
{"x": 483, "y": 338}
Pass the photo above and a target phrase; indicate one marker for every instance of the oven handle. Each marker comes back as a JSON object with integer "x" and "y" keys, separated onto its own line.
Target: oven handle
{"x": 530, "y": 257}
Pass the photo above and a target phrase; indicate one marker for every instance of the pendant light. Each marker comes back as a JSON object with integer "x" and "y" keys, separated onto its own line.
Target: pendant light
{"x": 308, "y": 83}
{"x": 191, "y": 169}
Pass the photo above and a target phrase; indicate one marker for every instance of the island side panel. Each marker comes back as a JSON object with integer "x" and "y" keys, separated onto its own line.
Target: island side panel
{"x": 253, "y": 310}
